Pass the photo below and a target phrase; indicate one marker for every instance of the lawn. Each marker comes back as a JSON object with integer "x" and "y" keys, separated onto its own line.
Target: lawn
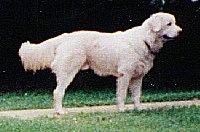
{"x": 173, "y": 120}
{"x": 165, "y": 120}
{"x": 32, "y": 100}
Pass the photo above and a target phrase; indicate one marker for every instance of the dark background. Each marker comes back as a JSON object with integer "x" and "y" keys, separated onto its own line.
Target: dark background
{"x": 176, "y": 67}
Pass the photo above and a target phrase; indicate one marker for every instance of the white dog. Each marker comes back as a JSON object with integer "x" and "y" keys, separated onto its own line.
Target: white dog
{"x": 126, "y": 55}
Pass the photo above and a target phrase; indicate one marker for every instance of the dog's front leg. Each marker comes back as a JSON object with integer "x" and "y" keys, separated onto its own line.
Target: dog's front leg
{"x": 122, "y": 86}
{"x": 135, "y": 89}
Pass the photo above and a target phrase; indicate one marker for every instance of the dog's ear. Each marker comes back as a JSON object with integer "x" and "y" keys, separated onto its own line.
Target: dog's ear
{"x": 155, "y": 23}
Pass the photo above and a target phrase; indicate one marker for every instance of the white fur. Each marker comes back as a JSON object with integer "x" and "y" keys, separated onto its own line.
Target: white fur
{"x": 127, "y": 55}
{"x": 40, "y": 56}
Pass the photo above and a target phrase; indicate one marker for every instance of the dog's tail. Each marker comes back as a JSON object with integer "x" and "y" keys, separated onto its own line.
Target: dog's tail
{"x": 39, "y": 56}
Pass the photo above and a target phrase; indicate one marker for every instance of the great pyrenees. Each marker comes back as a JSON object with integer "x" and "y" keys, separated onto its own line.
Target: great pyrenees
{"x": 127, "y": 55}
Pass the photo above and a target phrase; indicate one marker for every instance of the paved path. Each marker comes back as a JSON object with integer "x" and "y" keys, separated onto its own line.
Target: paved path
{"x": 32, "y": 113}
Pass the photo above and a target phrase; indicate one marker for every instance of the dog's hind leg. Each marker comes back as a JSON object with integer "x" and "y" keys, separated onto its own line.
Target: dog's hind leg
{"x": 65, "y": 69}
{"x": 63, "y": 81}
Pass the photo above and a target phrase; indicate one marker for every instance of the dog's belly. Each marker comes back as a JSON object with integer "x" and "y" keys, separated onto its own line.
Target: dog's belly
{"x": 104, "y": 69}
{"x": 103, "y": 59}
{"x": 102, "y": 66}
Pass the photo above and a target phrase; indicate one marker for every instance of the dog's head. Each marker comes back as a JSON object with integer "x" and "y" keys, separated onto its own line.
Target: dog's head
{"x": 163, "y": 25}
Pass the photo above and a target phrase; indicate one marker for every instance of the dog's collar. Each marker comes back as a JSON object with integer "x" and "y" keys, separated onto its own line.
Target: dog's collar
{"x": 150, "y": 50}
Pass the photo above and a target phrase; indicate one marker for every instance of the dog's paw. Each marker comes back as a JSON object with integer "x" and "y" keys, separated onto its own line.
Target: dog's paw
{"x": 121, "y": 109}
{"x": 60, "y": 112}
{"x": 138, "y": 107}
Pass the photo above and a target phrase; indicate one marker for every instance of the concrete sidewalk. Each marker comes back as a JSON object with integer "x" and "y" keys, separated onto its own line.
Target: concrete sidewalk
{"x": 32, "y": 113}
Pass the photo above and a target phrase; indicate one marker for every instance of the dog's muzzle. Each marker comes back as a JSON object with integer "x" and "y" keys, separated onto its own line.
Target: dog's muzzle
{"x": 166, "y": 37}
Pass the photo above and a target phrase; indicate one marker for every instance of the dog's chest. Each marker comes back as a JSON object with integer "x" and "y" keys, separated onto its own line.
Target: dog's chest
{"x": 142, "y": 66}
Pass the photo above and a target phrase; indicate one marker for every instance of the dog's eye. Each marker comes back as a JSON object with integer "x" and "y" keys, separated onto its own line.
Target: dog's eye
{"x": 169, "y": 24}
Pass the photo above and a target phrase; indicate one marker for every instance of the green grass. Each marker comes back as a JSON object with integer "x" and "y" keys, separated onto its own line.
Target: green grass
{"x": 32, "y": 100}
{"x": 173, "y": 120}
{"x": 162, "y": 120}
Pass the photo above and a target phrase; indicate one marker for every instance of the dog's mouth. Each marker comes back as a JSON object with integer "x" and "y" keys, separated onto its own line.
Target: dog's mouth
{"x": 168, "y": 37}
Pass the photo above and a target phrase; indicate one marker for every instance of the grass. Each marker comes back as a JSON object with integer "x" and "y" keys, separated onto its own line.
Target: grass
{"x": 165, "y": 120}
{"x": 173, "y": 120}
{"x": 32, "y": 100}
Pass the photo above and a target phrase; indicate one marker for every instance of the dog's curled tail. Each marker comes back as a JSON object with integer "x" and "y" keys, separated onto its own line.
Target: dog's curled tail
{"x": 39, "y": 56}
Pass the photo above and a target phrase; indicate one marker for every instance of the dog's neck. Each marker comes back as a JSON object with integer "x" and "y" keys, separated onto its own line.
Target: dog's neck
{"x": 152, "y": 41}
{"x": 151, "y": 51}
{"x": 154, "y": 44}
